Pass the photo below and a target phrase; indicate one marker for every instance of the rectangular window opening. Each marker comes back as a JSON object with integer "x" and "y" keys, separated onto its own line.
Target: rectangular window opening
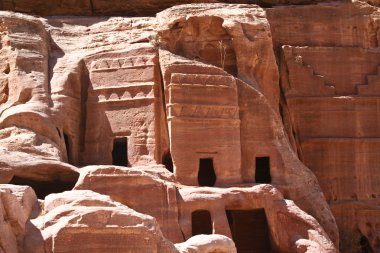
{"x": 262, "y": 174}
{"x": 206, "y": 173}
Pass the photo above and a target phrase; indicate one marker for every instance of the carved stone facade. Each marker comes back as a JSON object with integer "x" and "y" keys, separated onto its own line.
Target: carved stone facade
{"x": 203, "y": 121}
{"x": 207, "y": 128}
{"x": 124, "y": 104}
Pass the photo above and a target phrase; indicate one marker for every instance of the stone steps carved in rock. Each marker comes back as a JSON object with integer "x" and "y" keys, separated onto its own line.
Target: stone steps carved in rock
{"x": 307, "y": 82}
{"x": 372, "y": 87}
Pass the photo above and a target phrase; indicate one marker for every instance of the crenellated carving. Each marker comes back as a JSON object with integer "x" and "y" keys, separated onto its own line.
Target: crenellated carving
{"x": 124, "y": 103}
{"x": 122, "y": 63}
{"x": 203, "y": 79}
{"x": 124, "y": 93}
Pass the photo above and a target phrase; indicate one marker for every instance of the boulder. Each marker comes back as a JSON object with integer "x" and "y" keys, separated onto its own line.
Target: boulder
{"x": 16, "y": 205}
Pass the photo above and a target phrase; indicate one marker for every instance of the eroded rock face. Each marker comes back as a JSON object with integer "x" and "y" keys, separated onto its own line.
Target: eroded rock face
{"x": 329, "y": 82}
{"x": 235, "y": 38}
{"x": 342, "y": 25}
{"x": 239, "y": 203}
{"x": 16, "y": 205}
{"x": 115, "y": 8}
{"x": 207, "y": 244}
{"x": 31, "y": 147}
{"x": 82, "y": 220}
{"x": 205, "y": 120}
{"x": 89, "y": 221}
{"x": 140, "y": 188}
{"x": 236, "y": 101}
{"x": 176, "y": 207}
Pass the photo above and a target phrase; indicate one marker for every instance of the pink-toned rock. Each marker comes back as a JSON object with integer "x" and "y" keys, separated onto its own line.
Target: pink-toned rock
{"x": 82, "y": 220}
{"x": 290, "y": 229}
{"x": 235, "y": 38}
{"x": 174, "y": 211}
{"x": 320, "y": 97}
{"x": 118, "y": 8}
{"x": 325, "y": 24}
{"x": 16, "y": 204}
{"x": 197, "y": 119}
{"x": 261, "y": 135}
{"x": 136, "y": 91}
{"x": 29, "y": 155}
{"x": 197, "y": 89}
{"x": 91, "y": 221}
{"x": 149, "y": 189}
{"x": 207, "y": 244}
{"x": 29, "y": 140}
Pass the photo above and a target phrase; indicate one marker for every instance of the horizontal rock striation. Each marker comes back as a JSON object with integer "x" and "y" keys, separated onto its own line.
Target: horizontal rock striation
{"x": 216, "y": 126}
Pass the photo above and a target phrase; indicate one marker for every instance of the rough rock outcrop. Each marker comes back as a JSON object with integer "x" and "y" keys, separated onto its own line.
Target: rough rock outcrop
{"x": 208, "y": 121}
{"x": 31, "y": 147}
{"x": 16, "y": 205}
{"x": 89, "y": 221}
{"x": 304, "y": 235}
{"x": 175, "y": 207}
{"x": 80, "y": 220}
{"x": 329, "y": 80}
{"x": 325, "y": 24}
{"x": 207, "y": 244}
{"x": 115, "y": 8}
{"x": 235, "y": 38}
{"x": 234, "y": 159}
{"x": 139, "y": 188}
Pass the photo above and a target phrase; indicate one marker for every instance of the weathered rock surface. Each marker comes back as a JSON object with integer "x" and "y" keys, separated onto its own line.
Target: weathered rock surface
{"x": 207, "y": 244}
{"x": 29, "y": 141}
{"x": 237, "y": 102}
{"x": 235, "y": 38}
{"x": 329, "y": 74}
{"x": 175, "y": 205}
{"x": 266, "y": 138}
{"x": 115, "y": 8}
{"x": 304, "y": 235}
{"x": 325, "y": 24}
{"x": 139, "y": 188}
{"x": 90, "y": 221}
{"x": 80, "y": 220}
{"x": 16, "y": 205}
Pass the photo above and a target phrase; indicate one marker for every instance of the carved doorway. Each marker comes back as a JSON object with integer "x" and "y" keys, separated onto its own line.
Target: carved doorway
{"x": 120, "y": 152}
{"x": 201, "y": 222}
{"x": 249, "y": 229}
{"x": 206, "y": 173}
{"x": 262, "y": 174}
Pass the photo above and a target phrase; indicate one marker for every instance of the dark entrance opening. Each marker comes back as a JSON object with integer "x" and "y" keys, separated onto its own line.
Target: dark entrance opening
{"x": 168, "y": 162}
{"x": 365, "y": 246}
{"x": 262, "y": 174}
{"x": 120, "y": 152}
{"x": 201, "y": 222}
{"x": 44, "y": 188}
{"x": 249, "y": 230}
{"x": 68, "y": 147}
{"x": 206, "y": 173}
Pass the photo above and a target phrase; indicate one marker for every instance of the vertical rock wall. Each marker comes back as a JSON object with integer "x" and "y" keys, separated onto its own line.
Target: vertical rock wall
{"x": 221, "y": 94}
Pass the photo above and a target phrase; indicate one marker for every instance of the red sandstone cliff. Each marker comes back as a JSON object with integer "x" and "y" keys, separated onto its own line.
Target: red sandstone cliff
{"x": 207, "y": 127}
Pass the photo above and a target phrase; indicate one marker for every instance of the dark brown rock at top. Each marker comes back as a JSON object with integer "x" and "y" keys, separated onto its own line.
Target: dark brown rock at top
{"x": 120, "y": 7}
